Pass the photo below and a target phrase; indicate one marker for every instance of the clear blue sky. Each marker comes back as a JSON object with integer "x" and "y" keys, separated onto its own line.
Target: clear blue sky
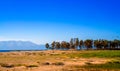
{"x": 43, "y": 21}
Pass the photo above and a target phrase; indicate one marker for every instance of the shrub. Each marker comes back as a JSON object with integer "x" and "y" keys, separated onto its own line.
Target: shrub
{"x": 31, "y": 66}
{"x": 59, "y": 63}
{"x": 46, "y": 63}
{"x": 88, "y": 63}
{"x": 6, "y": 65}
{"x": 114, "y": 62}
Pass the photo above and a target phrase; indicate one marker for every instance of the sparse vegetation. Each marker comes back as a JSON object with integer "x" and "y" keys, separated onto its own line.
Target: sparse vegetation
{"x": 46, "y": 63}
{"x": 62, "y": 60}
{"x": 103, "y": 66}
{"x": 31, "y": 66}
{"x": 58, "y": 63}
{"x": 6, "y": 65}
{"x": 88, "y": 63}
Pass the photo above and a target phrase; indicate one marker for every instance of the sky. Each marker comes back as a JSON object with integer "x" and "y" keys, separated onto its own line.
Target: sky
{"x": 42, "y": 21}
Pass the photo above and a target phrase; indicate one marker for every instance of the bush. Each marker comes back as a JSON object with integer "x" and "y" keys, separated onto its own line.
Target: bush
{"x": 46, "y": 63}
{"x": 88, "y": 63}
{"x": 31, "y": 66}
{"x": 114, "y": 62}
{"x": 7, "y": 65}
{"x": 59, "y": 63}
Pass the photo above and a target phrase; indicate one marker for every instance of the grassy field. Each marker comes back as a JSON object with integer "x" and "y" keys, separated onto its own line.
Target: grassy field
{"x": 97, "y": 53}
{"x": 56, "y": 60}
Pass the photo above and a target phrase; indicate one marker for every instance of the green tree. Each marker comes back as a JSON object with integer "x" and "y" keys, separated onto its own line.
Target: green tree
{"x": 105, "y": 44}
{"x": 72, "y": 45}
{"x": 76, "y": 42}
{"x": 47, "y": 45}
{"x": 116, "y": 43}
{"x": 88, "y": 43}
{"x": 113, "y": 44}
{"x": 68, "y": 45}
{"x": 53, "y": 45}
{"x": 64, "y": 45}
{"x": 71, "y": 41}
{"x": 110, "y": 44}
{"x": 119, "y": 44}
{"x": 57, "y": 45}
{"x": 81, "y": 43}
{"x": 98, "y": 44}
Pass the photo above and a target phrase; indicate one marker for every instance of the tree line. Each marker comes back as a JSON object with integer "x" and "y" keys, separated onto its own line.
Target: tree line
{"x": 77, "y": 44}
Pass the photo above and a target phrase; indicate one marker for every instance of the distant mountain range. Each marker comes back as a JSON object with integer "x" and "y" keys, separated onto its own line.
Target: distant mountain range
{"x": 20, "y": 45}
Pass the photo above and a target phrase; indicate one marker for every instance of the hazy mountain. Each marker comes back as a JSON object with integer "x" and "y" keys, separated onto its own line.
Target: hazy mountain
{"x": 20, "y": 45}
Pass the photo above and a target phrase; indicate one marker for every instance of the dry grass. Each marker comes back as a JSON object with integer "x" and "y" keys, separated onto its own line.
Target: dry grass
{"x": 49, "y": 60}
